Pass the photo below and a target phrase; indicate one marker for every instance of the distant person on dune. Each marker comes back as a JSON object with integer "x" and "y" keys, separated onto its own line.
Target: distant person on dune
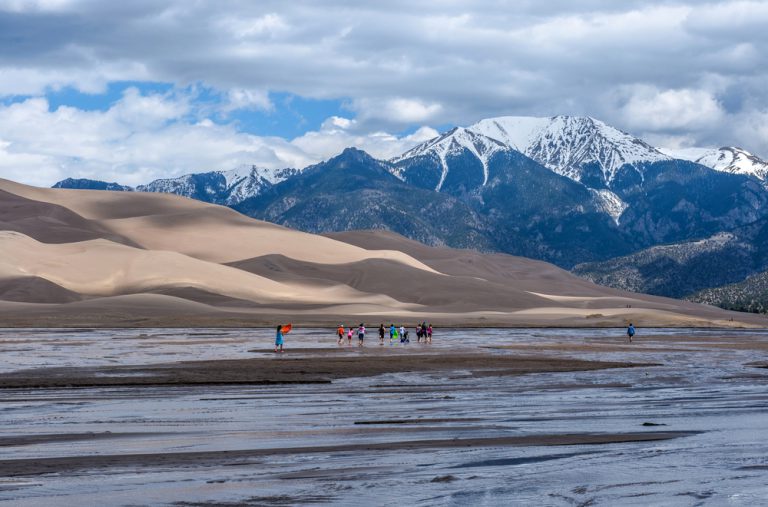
{"x": 630, "y": 332}
{"x": 279, "y": 338}
{"x": 340, "y": 333}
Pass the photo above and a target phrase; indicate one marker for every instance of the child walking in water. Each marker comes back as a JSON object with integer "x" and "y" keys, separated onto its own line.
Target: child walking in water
{"x": 349, "y": 336}
{"x": 381, "y": 334}
{"x": 279, "y": 338}
{"x": 429, "y": 334}
{"x": 340, "y": 333}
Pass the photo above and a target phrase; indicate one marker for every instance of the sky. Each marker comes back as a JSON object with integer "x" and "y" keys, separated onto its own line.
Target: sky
{"x": 139, "y": 90}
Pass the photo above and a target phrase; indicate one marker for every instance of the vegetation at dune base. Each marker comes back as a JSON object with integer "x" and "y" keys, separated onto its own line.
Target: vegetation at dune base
{"x": 750, "y": 295}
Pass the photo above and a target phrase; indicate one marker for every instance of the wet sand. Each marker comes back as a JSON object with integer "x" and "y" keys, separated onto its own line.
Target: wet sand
{"x": 38, "y": 466}
{"x": 525, "y": 417}
{"x": 284, "y": 369}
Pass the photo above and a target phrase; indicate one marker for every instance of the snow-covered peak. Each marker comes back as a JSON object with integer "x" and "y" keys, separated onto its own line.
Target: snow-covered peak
{"x": 240, "y": 173}
{"x": 727, "y": 159}
{"x": 454, "y": 143}
{"x": 565, "y": 144}
{"x": 221, "y": 187}
{"x": 236, "y": 175}
{"x": 249, "y": 180}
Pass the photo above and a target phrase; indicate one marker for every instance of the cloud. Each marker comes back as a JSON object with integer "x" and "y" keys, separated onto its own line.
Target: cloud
{"x": 693, "y": 69}
{"x": 397, "y": 110}
{"x": 142, "y": 137}
{"x": 242, "y": 98}
{"x": 338, "y": 133}
{"x": 650, "y": 109}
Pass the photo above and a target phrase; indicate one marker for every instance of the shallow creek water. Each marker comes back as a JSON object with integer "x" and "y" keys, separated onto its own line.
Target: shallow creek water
{"x": 708, "y": 391}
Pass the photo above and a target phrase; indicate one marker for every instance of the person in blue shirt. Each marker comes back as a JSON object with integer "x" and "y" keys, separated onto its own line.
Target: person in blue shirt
{"x": 279, "y": 338}
{"x": 630, "y": 332}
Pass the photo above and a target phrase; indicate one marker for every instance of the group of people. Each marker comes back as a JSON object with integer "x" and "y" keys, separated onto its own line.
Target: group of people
{"x": 423, "y": 331}
{"x": 396, "y": 334}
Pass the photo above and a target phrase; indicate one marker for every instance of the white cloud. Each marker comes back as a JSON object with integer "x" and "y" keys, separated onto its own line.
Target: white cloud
{"x": 144, "y": 137}
{"x": 242, "y": 98}
{"x": 397, "y": 110}
{"x": 665, "y": 110}
{"x": 338, "y": 133}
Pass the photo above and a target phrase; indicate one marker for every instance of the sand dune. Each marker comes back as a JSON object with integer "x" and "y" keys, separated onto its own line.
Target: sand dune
{"x": 208, "y": 232}
{"x": 48, "y": 222}
{"x": 79, "y": 257}
{"x": 103, "y": 268}
{"x": 36, "y": 290}
{"x": 403, "y": 283}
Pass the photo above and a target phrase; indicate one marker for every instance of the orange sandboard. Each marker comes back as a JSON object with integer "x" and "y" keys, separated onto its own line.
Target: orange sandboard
{"x": 287, "y": 328}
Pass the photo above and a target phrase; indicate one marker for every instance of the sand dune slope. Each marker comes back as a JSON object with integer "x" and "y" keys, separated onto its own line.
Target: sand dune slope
{"x": 79, "y": 257}
{"x": 197, "y": 229}
{"x": 103, "y": 268}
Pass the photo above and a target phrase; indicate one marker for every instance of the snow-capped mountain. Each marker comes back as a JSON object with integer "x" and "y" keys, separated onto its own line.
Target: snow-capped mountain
{"x": 727, "y": 159}
{"x": 567, "y": 144}
{"x": 221, "y": 187}
{"x": 581, "y": 148}
{"x": 453, "y": 143}
{"x": 218, "y": 187}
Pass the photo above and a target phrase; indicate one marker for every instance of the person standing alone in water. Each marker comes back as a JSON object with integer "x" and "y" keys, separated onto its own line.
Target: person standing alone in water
{"x": 630, "y": 332}
{"x": 279, "y": 338}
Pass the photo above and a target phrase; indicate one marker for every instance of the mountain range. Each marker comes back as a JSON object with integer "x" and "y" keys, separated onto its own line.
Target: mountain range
{"x": 569, "y": 190}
